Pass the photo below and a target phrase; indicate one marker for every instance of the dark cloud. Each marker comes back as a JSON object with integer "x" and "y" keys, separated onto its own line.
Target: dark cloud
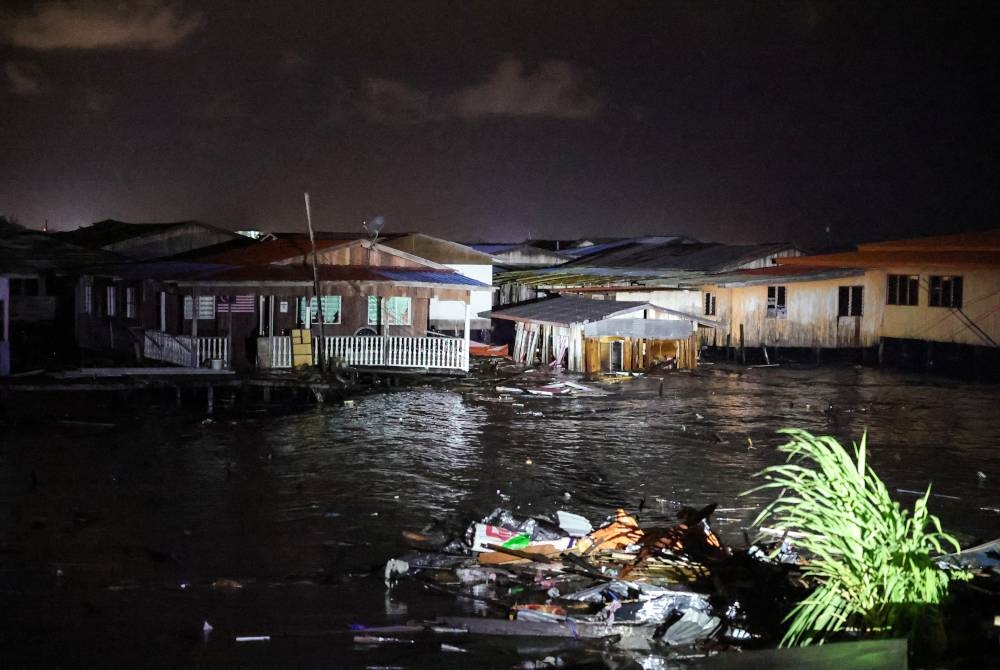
{"x": 555, "y": 90}
{"x": 142, "y": 24}
{"x": 24, "y": 79}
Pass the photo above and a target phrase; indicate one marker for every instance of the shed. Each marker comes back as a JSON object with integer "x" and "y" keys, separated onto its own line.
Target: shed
{"x": 588, "y": 335}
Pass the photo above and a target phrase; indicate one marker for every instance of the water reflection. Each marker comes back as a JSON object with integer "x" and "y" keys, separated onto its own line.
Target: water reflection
{"x": 293, "y": 506}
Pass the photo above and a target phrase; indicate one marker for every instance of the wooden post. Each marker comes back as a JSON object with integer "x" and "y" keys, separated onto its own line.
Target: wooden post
{"x": 465, "y": 351}
{"x": 743, "y": 351}
{"x": 881, "y": 351}
{"x": 195, "y": 295}
{"x": 210, "y": 396}
{"x": 929, "y": 361}
{"x": 767, "y": 359}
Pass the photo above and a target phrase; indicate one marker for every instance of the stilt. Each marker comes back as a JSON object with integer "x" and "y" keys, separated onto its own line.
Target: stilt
{"x": 767, "y": 359}
{"x": 819, "y": 355}
{"x": 881, "y": 351}
{"x": 661, "y": 388}
{"x": 929, "y": 361}
{"x": 210, "y": 396}
{"x": 177, "y": 395}
{"x": 743, "y": 351}
{"x": 267, "y": 395}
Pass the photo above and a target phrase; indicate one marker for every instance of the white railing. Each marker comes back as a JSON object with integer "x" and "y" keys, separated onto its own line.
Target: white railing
{"x": 281, "y": 352}
{"x": 184, "y": 350}
{"x": 439, "y": 353}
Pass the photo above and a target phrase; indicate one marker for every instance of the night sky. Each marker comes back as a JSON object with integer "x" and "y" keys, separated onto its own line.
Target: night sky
{"x": 498, "y": 121}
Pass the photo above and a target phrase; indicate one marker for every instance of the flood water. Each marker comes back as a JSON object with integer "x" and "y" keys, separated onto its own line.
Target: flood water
{"x": 112, "y": 537}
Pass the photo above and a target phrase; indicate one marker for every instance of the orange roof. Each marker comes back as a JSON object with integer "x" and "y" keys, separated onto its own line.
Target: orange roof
{"x": 890, "y": 257}
{"x": 986, "y": 240}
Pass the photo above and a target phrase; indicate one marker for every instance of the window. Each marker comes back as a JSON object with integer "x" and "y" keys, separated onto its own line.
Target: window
{"x": 111, "y": 304}
{"x": 902, "y": 290}
{"x": 850, "y": 300}
{"x": 129, "y": 303}
{"x": 206, "y": 307}
{"x": 397, "y": 311}
{"x": 709, "y": 304}
{"x": 331, "y": 309}
{"x": 88, "y": 299}
{"x": 776, "y": 302}
{"x": 946, "y": 292}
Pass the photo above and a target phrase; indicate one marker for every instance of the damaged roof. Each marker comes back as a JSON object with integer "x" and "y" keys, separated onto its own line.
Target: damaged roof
{"x": 565, "y": 310}
{"x": 781, "y": 274}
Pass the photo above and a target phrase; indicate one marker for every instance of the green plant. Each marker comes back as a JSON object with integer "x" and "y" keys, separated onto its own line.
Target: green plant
{"x": 871, "y": 560}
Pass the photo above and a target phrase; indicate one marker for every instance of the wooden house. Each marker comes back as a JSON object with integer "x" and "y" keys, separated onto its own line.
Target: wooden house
{"x": 240, "y": 307}
{"x": 38, "y": 275}
{"x": 790, "y": 306}
{"x": 943, "y": 289}
{"x": 589, "y": 335}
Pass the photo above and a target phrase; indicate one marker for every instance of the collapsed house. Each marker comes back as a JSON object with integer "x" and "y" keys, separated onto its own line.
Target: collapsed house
{"x": 591, "y": 336}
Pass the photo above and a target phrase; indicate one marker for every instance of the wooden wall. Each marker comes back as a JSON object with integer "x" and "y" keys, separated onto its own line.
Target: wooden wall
{"x": 810, "y": 318}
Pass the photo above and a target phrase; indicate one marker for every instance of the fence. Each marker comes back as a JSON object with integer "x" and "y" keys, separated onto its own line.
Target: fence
{"x": 185, "y": 350}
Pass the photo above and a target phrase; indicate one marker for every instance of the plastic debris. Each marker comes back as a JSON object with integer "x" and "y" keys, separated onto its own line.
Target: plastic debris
{"x": 557, "y": 576}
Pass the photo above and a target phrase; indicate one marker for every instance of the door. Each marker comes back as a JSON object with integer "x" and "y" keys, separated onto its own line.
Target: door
{"x": 617, "y": 356}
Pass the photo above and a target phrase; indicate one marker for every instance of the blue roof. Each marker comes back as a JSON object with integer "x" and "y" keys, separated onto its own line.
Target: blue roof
{"x": 430, "y": 276}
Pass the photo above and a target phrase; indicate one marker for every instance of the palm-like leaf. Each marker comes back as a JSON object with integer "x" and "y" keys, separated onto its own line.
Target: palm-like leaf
{"x": 871, "y": 560}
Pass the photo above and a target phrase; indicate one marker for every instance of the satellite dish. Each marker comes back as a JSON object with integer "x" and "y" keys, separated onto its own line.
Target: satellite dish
{"x": 373, "y": 228}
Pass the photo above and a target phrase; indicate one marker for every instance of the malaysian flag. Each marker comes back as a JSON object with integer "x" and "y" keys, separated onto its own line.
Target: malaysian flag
{"x": 237, "y": 304}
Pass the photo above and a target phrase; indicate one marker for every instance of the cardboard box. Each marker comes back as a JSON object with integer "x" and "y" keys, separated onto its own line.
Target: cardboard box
{"x": 301, "y": 336}
{"x": 301, "y": 349}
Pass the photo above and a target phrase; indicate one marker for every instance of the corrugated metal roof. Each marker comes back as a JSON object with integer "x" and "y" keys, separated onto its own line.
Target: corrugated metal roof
{"x": 566, "y": 310}
{"x": 681, "y": 254}
{"x": 782, "y": 274}
{"x": 42, "y": 251}
{"x": 109, "y": 231}
{"x": 496, "y": 248}
{"x": 297, "y": 274}
{"x": 269, "y": 251}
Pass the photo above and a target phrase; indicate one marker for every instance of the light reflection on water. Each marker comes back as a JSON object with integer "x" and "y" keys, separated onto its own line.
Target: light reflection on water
{"x": 325, "y": 493}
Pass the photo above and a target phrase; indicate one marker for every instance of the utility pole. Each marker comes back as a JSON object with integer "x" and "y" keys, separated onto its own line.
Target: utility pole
{"x": 319, "y": 302}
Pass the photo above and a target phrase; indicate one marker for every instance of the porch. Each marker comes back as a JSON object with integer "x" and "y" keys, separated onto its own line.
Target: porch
{"x": 443, "y": 354}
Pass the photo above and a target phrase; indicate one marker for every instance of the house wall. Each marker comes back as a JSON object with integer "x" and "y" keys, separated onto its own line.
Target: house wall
{"x": 682, "y": 300}
{"x": 980, "y": 306}
{"x": 450, "y": 314}
{"x": 99, "y": 331}
{"x": 811, "y": 315}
